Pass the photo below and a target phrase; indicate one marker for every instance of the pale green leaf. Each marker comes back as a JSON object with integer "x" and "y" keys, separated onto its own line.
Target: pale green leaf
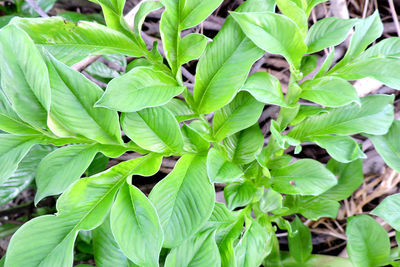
{"x": 265, "y": 30}
{"x": 254, "y": 246}
{"x": 191, "y": 47}
{"x": 10, "y": 121}
{"x": 239, "y": 194}
{"x": 12, "y": 150}
{"x": 73, "y": 97}
{"x": 389, "y": 210}
{"x": 270, "y": 201}
{"x": 328, "y": 32}
{"x": 199, "y": 251}
{"x": 61, "y": 168}
{"x": 141, "y": 11}
{"x": 140, "y": 88}
{"x": 184, "y": 200}
{"x": 350, "y": 177}
{"x": 136, "y": 227}
{"x": 368, "y": 243}
{"x": 374, "y": 117}
{"x": 388, "y": 145}
{"x": 240, "y": 114}
{"x": 296, "y": 13}
{"x": 24, "y": 175}
{"x": 304, "y": 177}
{"x": 221, "y": 170}
{"x": 154, "y": 129}
{"x": 82, "y": 207}
{"x": 266, "y": 88}
{"x": 389, "y": 47}
{"x": 18, "y": 78}
{"x": 243, "y": 146}
{"x": 367, "y": 31}
{"x": 89, "y": 39}
{"x": 105, "y": 249}
{"x": 342, "y": 148}
{"x": 224, "y": 66}
{"x": 329, "y": 91}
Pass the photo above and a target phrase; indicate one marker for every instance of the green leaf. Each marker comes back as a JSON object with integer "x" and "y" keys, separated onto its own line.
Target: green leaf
{"x": 389, "y": 47}
{"x": 308, "y": 64}
{"x": 184, "y": 200}
{"x": 82, "y": 207}
{"x": 389, "y": 210}
{"x": 61, "y": 168}
{"x": 388, "y": 145}
{"x": 265, "y": 30}
{"x": 304, "y": 177}
{"x": 328, "y": 32}
{"x": 180, "y": 109}
{"x": 367, "y": 30}
{"x": 240, "y": 114}
{"x": 154, "y": 129}
{"x": 374, "y": 117}
{"x": 243, "y": 146}
{"x": 105, "y": 248}
{"x": 300, "y": 245}
{"x": 315, "y": 261}
{"x": 140, "y": 88}
{"x": 382, "y": 69}
{"x": 46, "y": 5}
{"x": 113, "y": 13}
{"x": 254, "y": 246}
{"x": 18, "y": 78}
{"x": 98, "y": 164}
{"x": 72, "y": 105}
{"x": 24, "y": 175}
{"x": 10, "y": 121}
{"x": 270, "y": 201}
{"x": 326, "y": 65}
{"x": 194, "y": 142}
{"x": 89, "y": 39}
{"x": 199, "y": 251}
{"x": 306, "y": 111}
{"x": 350, "y": 177}
{"x": 141, "y": 11}
{"x": 342, "y": 148}
{"x": 266, "y": 88}
{"x": 368, "y": 243}
{"x": 221, "y": 218}
{"x": 191, "y": 47}
{"x": 12, "y": 150}
{"x": 312, "y": 3}
{"x": 226, "y": 62}
{"x": 329, "y": 91}
{"x": 296, "y": 13}
{"x": 239, "y": 194}
{"x": 312, "y": 207}
{"x": 226, "y": 238}
{"x": 221, "y": 170}
{"x": 180, "y": 15}
{"x": 136, "y": 227}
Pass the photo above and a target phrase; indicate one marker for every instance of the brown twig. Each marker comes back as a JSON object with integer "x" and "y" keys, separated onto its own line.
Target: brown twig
{"x": 91, "y": 78}
{"x": 80, "y": 66}
{"x": 394, "y": 15}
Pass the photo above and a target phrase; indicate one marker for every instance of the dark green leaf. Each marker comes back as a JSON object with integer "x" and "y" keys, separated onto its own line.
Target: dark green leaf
{"x": 300, "y": 245}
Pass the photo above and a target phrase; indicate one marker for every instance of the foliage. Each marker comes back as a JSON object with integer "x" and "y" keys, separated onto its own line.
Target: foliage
{"x": 44, "y": 101}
